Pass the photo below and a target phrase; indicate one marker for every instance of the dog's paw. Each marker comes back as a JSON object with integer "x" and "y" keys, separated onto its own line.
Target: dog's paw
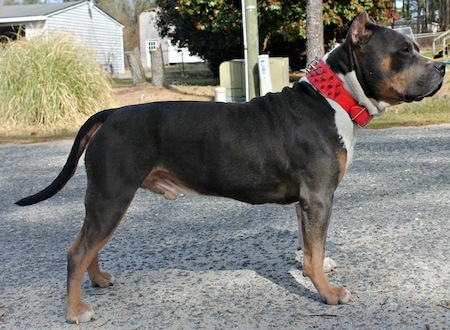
{"x": 84, "y": 314}
{"x": 347, "y": 298}
{"x": 85, "y": 317}
{"x": 329, "y": 265}
{"x": 102, "y": 280}
{"x": 337, "y": 295}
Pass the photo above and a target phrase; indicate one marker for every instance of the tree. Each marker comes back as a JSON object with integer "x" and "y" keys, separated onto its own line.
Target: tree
{"x": 314, "y": 28}
{"x": 135, "y": 65}
{"x": 127, "y": 13}
{"x": 425, "y": 12}
{"x": 212, "y": 29}
{"x": 446, "y": 10}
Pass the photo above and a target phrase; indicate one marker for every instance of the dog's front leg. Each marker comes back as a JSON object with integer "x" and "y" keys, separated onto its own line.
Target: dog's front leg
{"x": 329, "y": 264}
{"x": 314, "y": 211}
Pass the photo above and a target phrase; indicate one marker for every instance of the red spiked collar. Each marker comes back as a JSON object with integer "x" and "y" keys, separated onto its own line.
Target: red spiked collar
{"x": 331, "y": 86}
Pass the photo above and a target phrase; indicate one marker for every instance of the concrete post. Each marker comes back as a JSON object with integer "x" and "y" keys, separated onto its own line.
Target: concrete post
{"x": 251, "y": 30}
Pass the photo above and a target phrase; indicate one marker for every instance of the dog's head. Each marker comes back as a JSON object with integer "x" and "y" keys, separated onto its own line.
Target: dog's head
{"x": 388, "y": 64}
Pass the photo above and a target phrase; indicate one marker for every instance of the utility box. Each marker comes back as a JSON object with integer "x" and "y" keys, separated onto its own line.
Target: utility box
{"x": 279, "y": 73}
{"x": 265, "y": 80}
{"x": 232, "y": 78}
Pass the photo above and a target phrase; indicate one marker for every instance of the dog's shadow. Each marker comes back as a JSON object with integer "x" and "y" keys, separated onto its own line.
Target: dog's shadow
{"x": 195, "y": 234}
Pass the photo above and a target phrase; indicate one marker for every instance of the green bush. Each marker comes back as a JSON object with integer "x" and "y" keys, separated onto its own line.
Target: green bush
{"x": 50, "y": 81}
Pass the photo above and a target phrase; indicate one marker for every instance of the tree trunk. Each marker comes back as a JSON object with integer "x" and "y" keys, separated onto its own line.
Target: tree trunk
{"x": 137, "y": 71}
{"x": 314, "y": 30}
{"x": 157, "y": 61}
{"x": 447, "y": 14}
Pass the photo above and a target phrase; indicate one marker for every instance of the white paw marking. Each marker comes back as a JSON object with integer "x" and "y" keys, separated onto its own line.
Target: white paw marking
{"x": 329, "y": 265}
{"x": 86, "y": 317}
{"x": 348, "y": 297}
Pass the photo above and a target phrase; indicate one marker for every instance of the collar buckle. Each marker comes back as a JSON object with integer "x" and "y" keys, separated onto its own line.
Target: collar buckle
{"x": 360, "y": 115}
{"x": 312, "y": 66}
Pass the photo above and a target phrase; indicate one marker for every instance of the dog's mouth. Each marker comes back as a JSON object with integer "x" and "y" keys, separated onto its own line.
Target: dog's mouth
{"x": 416, "y": 98}
{"x": 410, "y": 99}
{"x": 436, "y": 90}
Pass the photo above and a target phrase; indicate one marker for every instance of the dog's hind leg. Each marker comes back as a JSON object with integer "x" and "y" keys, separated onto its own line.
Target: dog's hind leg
{"x": 329, "y": 264}
{"x": 103, "y": 214}
{"x": 314, "y": 213}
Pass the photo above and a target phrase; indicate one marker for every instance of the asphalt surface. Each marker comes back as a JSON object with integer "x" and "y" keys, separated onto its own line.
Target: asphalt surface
{"x": 212, "y": 263}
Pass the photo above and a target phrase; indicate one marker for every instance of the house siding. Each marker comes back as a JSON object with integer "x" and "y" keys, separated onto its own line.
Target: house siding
{"x": 148, "y": 31}
{"x": 33, "y": 29}
{"x": 95, "y": 27}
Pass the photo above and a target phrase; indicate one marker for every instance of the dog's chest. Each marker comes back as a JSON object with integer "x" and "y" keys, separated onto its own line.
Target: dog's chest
{"x": 346, "y": 129}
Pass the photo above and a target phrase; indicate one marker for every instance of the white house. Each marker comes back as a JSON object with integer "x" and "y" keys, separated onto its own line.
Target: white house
{"x": 150, "y": 39}
{"x": 83, "y": 18}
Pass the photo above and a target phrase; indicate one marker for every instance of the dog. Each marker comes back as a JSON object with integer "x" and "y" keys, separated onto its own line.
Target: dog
{"x": 291, "y": 147}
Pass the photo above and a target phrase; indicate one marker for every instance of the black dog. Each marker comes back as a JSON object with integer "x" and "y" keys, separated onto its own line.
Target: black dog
{"x": 288, "y": 147}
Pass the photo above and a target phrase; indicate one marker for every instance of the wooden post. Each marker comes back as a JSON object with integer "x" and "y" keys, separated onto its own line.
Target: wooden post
{"x": 137, "y": 71}
{"x": 157, "y": 69}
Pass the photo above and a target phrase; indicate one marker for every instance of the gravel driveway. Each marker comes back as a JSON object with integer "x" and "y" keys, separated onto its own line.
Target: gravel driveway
{"x": 212, "y": 263}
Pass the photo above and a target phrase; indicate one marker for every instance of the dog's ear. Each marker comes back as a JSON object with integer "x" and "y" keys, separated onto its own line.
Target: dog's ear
{"x": 360, "y": 31}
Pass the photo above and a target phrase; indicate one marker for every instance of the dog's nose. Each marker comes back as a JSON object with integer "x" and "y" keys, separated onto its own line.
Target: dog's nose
{"x": 440, "y": 67}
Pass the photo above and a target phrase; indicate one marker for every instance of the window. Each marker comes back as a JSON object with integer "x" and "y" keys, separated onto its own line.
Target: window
{"x": 151, "y": 45}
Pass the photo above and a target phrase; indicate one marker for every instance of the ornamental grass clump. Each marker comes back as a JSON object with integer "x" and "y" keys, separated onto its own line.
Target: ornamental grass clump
{"x": 50, "y": 81}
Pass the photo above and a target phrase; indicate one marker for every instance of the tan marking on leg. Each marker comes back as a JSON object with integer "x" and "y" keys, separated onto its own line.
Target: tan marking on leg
{"x": 342, "y": 160}
{"x": 329, "y": 264}
{"x": 299, "y": 224}
{"x": 77, "y": 310}
{"x": 313, "y": 263}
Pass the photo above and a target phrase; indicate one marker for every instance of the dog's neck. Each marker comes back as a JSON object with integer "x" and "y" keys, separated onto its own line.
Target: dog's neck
{"x": 354, "y": 87}
{"x": 332, "y": 87}
{"x": 347, "y": 72}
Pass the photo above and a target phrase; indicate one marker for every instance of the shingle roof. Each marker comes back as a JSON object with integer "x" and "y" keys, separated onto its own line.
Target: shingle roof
{"x": 38, "y": 12}
{"x": 16, "y": 11}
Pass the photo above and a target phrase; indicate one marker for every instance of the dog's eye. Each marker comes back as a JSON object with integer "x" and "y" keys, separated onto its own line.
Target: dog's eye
{"x": 406, "y": 49}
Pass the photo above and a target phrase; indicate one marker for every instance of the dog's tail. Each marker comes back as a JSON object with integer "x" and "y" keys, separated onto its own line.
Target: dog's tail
{"x": 79, "y": 145}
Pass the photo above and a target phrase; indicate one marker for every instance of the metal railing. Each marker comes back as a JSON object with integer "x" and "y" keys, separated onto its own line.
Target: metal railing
{"x": 445, "y": 41}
